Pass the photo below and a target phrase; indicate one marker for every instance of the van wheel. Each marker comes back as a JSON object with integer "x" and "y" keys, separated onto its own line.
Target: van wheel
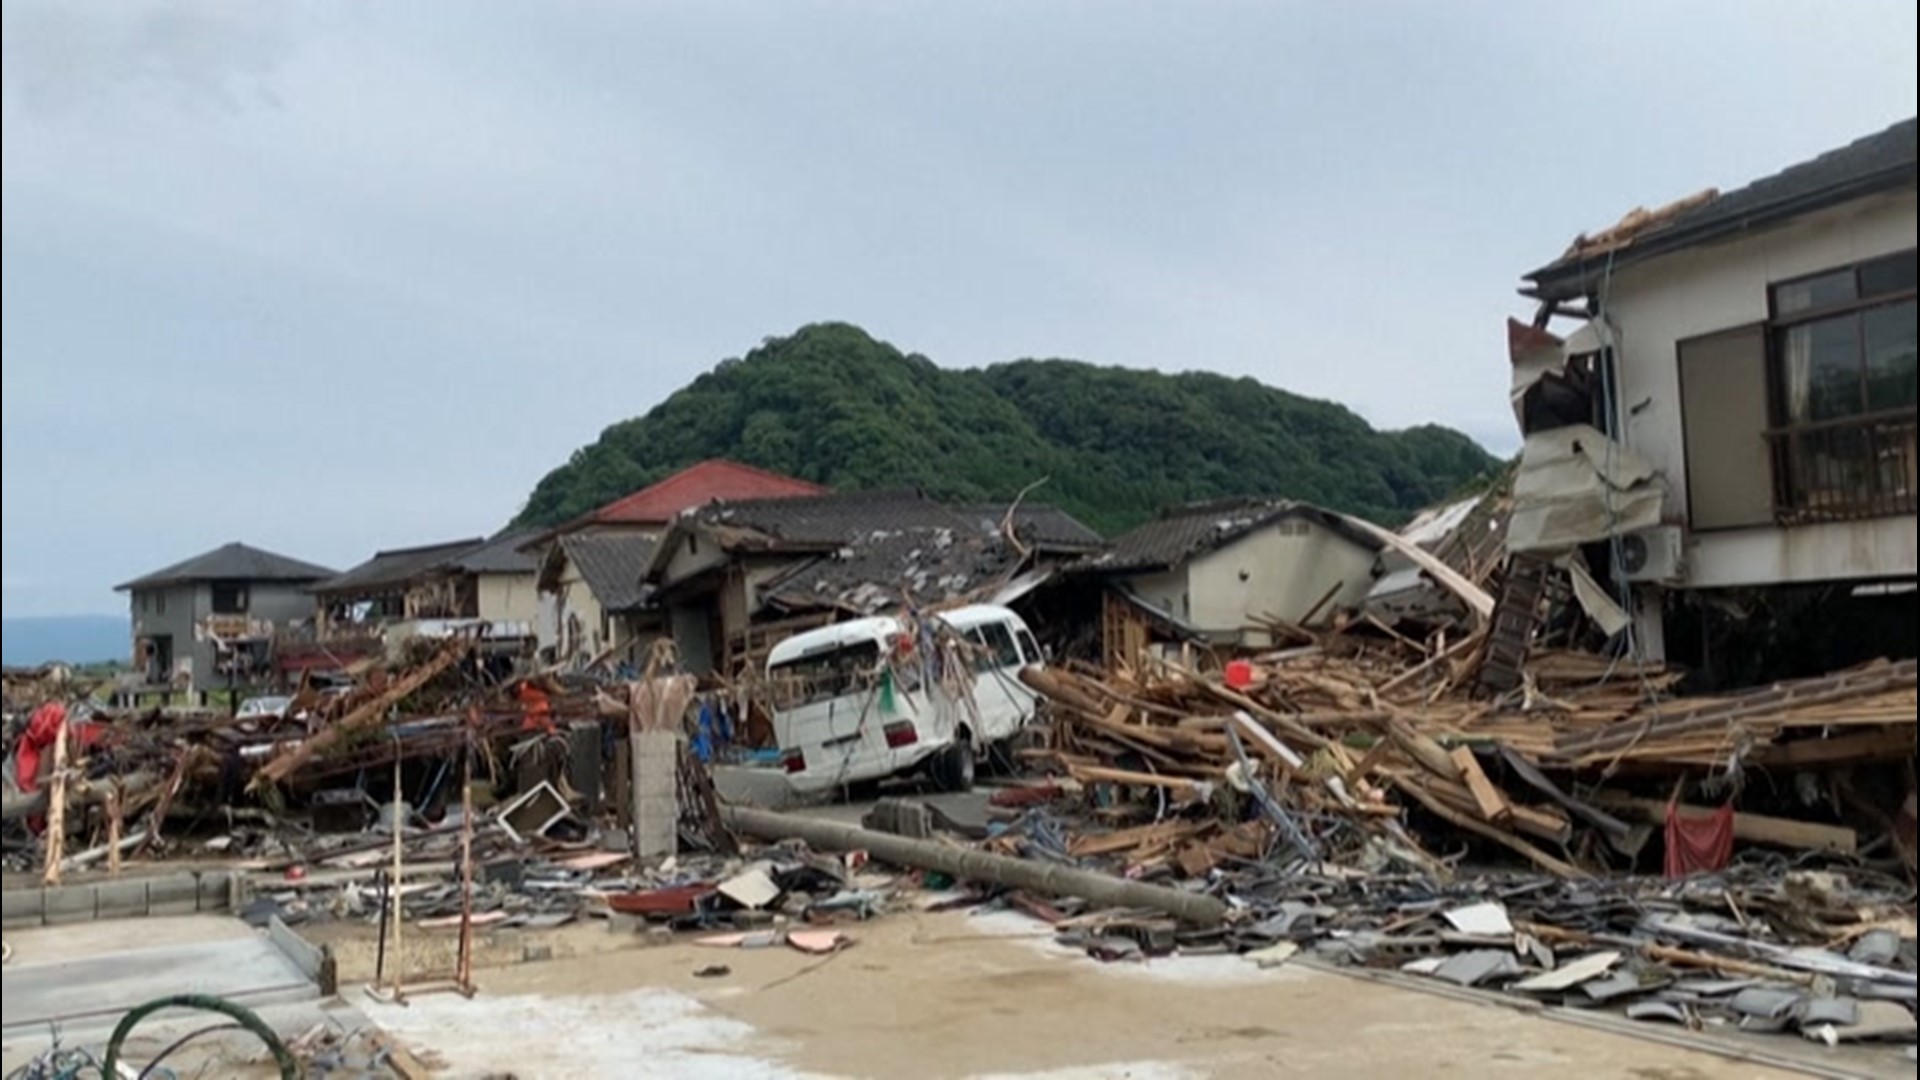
{"x": 953, "y": 769}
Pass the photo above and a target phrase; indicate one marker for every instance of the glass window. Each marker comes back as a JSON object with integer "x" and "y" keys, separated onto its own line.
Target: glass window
{"x": 1809, "y": 294}
{"x": 1823, "y": 369}
{"x": 824, "y": 675}
{"x": 1890, "y": 334}
{"x": 229, "y": 598}
{"x": 1885, "y": 276}
{"x": 1029, "y": 648}
{"x": 995, "y": 647}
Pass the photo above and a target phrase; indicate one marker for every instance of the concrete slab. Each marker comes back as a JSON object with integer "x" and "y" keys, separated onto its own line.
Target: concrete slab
{"x": 90, "y": 979}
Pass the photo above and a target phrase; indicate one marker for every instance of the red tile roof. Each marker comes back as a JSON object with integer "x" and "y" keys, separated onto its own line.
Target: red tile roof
{"x": 698, "y": 485}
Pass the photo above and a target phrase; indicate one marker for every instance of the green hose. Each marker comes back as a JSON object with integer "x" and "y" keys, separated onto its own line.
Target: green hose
{"x": 246, "y": 1018}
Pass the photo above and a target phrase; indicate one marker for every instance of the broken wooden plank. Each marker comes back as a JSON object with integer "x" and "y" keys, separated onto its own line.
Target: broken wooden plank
{"x": 1492, "y": 802}
{"x": 1753, "y": 828}
{"x": 368, "y": 715}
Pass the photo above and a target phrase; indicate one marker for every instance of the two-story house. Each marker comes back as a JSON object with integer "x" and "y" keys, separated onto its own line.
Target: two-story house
{"x": 210, "y": 619}
{"x": 1738, "y": 405}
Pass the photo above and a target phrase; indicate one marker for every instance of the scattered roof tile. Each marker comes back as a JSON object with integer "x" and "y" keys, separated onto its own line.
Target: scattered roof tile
{"x": 1183, "y": 532}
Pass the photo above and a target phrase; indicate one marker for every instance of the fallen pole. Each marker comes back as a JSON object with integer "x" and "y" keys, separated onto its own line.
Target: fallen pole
{"x": 968, "y": 864}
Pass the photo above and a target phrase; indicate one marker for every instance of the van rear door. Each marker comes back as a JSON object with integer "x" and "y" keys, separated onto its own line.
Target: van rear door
{"x": 819, "y": 696}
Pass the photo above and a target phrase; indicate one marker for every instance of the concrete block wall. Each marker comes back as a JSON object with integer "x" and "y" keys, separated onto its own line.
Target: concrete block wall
{"x": 184, "y": 893}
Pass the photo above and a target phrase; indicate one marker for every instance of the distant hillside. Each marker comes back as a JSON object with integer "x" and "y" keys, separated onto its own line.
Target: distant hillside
{"x": 77, "y": 639}
{"x": 833, "y": 405}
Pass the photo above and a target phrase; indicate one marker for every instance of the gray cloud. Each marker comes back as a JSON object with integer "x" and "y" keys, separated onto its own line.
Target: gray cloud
{"x": 328, "y": 277}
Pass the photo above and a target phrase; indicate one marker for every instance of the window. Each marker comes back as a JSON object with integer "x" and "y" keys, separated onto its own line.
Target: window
{"x": 159, "y": 603}
{"x": 825, "y": 675}
{"x": 1844, "y": 347}
{"x": 229, "y": 598}
{"x": 1029, "y": 647}
{"x": 995, "y": 647}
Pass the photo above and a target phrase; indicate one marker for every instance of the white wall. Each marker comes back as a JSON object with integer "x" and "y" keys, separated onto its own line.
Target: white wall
{"x": 1720, "y": 287}
{"x": 509, "y": 597}
{"x": 1280, "y": 571}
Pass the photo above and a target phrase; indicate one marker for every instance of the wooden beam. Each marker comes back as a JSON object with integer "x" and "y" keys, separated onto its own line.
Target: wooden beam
{"x": 1897, "y": 742}
{"x": 1492, "y": 802}
{"x": 1753, "y": 828}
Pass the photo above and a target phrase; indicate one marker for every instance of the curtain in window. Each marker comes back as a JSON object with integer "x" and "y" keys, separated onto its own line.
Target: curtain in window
{"x": 1798, "y": 357}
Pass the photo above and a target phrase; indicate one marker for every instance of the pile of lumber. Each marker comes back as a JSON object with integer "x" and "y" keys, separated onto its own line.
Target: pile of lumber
{"x": 1334, "y": 741}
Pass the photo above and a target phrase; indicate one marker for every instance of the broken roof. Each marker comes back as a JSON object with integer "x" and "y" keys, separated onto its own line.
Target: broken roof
{"x": 1884, "y": 161}
{"x": 612, "y": 564}
{"x": 1038, "y": 523}
{"x": 873, "y": 573}
{"x": 396, "y": 567}
{"x": 1184, "y": 532}
{"x": 230, "y": 562}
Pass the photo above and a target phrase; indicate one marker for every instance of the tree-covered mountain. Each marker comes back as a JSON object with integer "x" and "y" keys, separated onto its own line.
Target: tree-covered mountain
{"x": 832, "y": 405}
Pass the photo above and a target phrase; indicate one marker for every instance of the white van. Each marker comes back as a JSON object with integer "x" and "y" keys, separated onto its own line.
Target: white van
{"x": 858, "y": 702}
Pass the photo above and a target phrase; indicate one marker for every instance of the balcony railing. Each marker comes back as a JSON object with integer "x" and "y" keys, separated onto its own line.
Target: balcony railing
{"x": 1844, "y": 470}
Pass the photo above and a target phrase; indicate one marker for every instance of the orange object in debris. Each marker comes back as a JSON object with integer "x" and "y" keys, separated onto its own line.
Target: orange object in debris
{"x": 538, "y": 708}
{"x": 1239, "y": 674}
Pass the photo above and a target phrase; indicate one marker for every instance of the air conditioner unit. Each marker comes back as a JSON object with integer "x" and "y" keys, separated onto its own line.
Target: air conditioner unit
{"x": 1658, "y": 554}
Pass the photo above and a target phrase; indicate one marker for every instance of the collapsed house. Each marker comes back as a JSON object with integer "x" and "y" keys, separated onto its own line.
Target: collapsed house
{"x": 1726, "y": 439}
{"x": 734, "y": 578}
{"x": 1229, "y": 572}
{"x": 433, "y": 591}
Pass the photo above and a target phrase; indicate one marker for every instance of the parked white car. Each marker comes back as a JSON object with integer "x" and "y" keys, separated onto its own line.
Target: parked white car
{"x": 859, "y": 702}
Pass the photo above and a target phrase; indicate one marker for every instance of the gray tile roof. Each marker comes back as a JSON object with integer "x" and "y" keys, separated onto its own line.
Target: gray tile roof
{"x": 875, "y": 572}
{"x": 395, "y": 568}
{"x": 1883, "y": 161}
{"x": 828, "y": 521}
{"x": 500, "y": 555}
{"x": 835, "y": 519}
{"x": 230, "y": 562}
{"x": 1039, "y": 524}
{"x": 1183, "y": 532}
{"x": 612, "y": 564}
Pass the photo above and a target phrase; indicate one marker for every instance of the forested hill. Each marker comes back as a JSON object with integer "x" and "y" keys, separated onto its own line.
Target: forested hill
{"x": 832, "y": 405}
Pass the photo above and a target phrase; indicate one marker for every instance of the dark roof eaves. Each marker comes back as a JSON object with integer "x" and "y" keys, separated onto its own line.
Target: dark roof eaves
{"x": 1576, "y": 277}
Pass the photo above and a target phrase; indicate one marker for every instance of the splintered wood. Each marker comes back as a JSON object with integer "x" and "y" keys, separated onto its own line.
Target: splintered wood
{"x": 1325, "y": 730}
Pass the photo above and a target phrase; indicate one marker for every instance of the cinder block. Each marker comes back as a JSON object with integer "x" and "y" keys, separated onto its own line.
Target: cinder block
{"x": 215, "y": 891}
{"x": 175, "y": 894}
{"x": 70, "y": 904}
{"x": 23, "y": 907}
{"x": 120, "y": 899}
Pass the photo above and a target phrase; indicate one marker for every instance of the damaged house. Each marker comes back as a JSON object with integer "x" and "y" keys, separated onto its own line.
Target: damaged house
{"x": 211, "y": 620}
{"x": 732, "y": 579}
{"x": 591, "y": 600}
{"x": 590, "y": 583}
{"x": 432, "y": 591}
{"x": 1726, "y": 436}
{"x": 1229, "y": 572}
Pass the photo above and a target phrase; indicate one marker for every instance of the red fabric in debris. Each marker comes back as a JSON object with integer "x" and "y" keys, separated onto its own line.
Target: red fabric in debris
{"x": 42, "y": 728}
{"x": 536, "y": 707}
{"x": 1698, "y": 844}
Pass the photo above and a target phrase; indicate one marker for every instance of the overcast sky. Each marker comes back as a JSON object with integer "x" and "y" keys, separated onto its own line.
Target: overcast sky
{"x": 339, "y": 276}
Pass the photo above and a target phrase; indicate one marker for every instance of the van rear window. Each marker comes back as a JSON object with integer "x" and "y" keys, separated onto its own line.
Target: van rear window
{"x": 824, "y": 675}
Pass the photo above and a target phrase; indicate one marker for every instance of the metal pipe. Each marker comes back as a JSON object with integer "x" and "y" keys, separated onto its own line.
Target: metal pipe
{"x": 968, "y": 864}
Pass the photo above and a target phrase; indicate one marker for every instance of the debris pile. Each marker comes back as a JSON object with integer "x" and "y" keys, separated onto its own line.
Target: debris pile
{"x": 1315, "y": 753}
